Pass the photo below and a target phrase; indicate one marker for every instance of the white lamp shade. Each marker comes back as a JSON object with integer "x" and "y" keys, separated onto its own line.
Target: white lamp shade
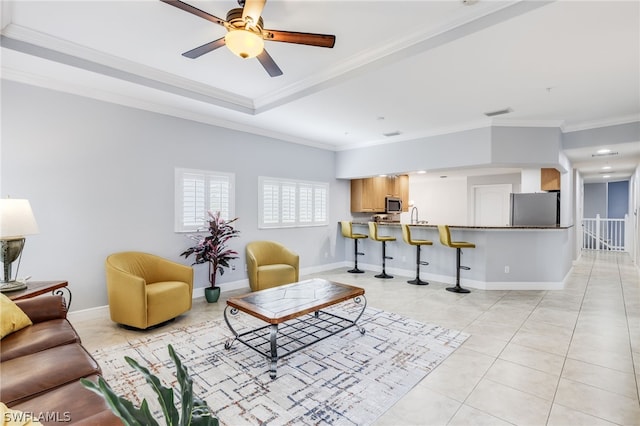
{"x": 16, "y": 218}
{"x": 244, "y": 43}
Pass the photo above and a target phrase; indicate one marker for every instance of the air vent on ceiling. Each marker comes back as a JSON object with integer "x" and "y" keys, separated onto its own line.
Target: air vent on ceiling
{"x": 604, "y": 154}
{"x": 499, "y": 112}
{"x": 396, "y": 133}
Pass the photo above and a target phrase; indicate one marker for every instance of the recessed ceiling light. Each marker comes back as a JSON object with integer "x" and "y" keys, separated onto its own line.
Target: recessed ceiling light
{"x": 382, "y": 175}
{"x": 421, "y": 172}
{"x": 604, "y": 153}
{"x": 606, "y": 176}
{"x": 606, "y": 167}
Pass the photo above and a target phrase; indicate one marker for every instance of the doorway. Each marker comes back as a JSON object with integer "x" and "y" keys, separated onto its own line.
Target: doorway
{"x": 491, "y": 204}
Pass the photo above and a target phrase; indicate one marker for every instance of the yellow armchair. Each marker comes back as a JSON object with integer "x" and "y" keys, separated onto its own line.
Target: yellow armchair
{"x": 146, "y": 290}
{"x": 270, "y": 264}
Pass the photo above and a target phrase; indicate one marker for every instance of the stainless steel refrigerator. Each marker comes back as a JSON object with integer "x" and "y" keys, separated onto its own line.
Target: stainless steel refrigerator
{"x": 538, "y": 209}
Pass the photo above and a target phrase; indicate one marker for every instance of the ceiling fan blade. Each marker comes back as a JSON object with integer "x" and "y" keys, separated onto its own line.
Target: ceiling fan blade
{"x": 269, "y": 64}
{"x": 205, "y": 48}
{"x": 253, "y": 9}
{"x": 194, "y": 10}
{"x": 310, "y": 39}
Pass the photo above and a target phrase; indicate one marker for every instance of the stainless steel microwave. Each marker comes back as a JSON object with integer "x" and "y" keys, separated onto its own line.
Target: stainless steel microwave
{"x": 393, "y": 204}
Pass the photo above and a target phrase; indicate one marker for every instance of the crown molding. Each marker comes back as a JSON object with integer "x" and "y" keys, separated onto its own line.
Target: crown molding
{"x": 100, "y": 94}
{"x": 505, "y": 122}
{"x": 28, "y": 41}
{"x": 399, "y": 49}
{"x": 471, "y": 125}
{"x": 594, "y": 124}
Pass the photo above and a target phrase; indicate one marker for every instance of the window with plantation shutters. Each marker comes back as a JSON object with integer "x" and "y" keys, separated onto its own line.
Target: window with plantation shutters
{"x": 200, "y": 191}
{"x": 270, "y": 206}
{"x": 289, "y": 203}
{"x": 305, "y": 195}
{"x": 320, "y": 203}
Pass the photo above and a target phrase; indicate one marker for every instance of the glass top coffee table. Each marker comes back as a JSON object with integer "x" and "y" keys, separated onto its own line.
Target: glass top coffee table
{"x": 294, "y": 316}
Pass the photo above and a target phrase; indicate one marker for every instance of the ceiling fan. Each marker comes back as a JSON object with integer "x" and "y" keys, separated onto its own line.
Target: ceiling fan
{"x": 246, "y": 34}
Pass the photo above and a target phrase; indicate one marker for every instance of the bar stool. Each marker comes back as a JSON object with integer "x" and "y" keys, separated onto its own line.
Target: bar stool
{"x": 406, "y": 235}
{"x": 445, "y": 240}
{"x": 373, "y": 234}
{"x": 347, "y": 232}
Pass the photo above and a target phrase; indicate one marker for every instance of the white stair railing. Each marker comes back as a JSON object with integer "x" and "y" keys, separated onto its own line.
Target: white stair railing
{"x": 604, "y": 234}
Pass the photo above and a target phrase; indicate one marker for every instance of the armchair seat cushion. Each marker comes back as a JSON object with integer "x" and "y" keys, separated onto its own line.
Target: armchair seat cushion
{"x": 167, "y": 299}
{"x": 274, "y": 275}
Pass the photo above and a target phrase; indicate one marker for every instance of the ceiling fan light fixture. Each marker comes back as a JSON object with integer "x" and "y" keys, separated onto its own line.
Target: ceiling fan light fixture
{"x": 244, "y": 43}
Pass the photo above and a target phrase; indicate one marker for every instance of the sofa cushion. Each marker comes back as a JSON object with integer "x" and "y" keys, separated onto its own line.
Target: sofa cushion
{"x": 71, "y": 403}
{"x": 12, "y": 317}
{"x": 40, "y": 336}
{"x": 28, "y": 376}
{"x": 12, "y": 417}
{"x": 43, "y": 308}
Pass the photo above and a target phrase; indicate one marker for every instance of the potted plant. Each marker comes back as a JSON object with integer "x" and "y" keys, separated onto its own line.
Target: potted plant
{"x": 212, "y": 249}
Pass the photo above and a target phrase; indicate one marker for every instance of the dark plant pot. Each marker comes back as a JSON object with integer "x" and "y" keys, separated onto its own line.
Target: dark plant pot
{"x": 212, "y": 294}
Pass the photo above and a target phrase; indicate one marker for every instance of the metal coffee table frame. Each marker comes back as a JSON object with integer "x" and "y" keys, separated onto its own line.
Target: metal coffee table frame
{"x": 277, "y": 340}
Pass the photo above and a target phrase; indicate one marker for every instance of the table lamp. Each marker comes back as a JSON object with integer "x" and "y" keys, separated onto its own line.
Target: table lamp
{"x": 16, "y": 221}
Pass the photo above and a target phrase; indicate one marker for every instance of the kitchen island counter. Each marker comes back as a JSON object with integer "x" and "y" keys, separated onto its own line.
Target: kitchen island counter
{"x": 427, "y": 225}
{"x": 505, "y": 257}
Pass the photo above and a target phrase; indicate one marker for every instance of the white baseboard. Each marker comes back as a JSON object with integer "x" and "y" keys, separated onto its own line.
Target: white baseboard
{"x": 89, "y": 314}
{"x": 465, "y": 282}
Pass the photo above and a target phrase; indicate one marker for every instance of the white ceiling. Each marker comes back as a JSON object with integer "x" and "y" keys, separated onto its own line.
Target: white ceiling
{"x": 415, "y": 67}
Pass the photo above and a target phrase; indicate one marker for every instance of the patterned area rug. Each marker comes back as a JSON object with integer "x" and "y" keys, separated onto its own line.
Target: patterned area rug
{"x": 346, "y": 379}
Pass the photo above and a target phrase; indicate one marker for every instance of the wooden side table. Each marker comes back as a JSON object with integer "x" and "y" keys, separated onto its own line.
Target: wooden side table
{"x": 37, "y": 288}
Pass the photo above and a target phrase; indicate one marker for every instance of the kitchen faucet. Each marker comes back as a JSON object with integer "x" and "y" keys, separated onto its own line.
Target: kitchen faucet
{"x": 414, "y": 208}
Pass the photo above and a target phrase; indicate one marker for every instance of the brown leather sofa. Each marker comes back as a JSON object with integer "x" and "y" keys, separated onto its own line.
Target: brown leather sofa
{"x": 41, "y": 366}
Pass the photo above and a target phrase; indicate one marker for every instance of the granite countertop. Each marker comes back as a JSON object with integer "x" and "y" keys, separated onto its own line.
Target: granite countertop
{"x": 426, "y": 225}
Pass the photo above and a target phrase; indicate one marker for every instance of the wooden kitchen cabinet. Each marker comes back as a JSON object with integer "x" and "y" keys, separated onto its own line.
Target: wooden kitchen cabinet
{"x": 549, "y": 179}
{"x": 368, "y": 194}
{"x": 398, "y": 186}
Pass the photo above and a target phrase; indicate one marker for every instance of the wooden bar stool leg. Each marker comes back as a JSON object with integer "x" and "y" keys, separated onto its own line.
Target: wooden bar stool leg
{"x": 457, "y": 288}
{"x": 417, "y": 280}
{"x": 355, "y": 269}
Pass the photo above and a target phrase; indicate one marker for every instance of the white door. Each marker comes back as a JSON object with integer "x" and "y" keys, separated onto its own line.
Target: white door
{"x": 491, "y": 205}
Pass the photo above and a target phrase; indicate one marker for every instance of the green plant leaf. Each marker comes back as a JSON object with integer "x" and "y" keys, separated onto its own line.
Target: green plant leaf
{"x": 122, "y": 408}
{"x": 165, "y": 394}
{"x": 195, "y": 411}
{"x": 186, "y": 387}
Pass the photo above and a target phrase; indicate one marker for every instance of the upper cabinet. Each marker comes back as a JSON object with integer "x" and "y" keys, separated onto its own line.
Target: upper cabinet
{"x": 549, "y": 179}
{"x": 368, "y": 194}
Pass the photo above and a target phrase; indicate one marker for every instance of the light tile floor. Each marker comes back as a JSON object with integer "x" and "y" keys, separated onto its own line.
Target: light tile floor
{"x": 567, "y": 357}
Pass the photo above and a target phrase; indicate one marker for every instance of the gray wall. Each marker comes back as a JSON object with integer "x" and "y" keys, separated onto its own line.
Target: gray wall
{"x": 620, "y": 133}
{"x": 100, "y": 179}
{"x": 595, "y": 200}
{"x": 454, "y": 150}
{"x": 494, "y": 146}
